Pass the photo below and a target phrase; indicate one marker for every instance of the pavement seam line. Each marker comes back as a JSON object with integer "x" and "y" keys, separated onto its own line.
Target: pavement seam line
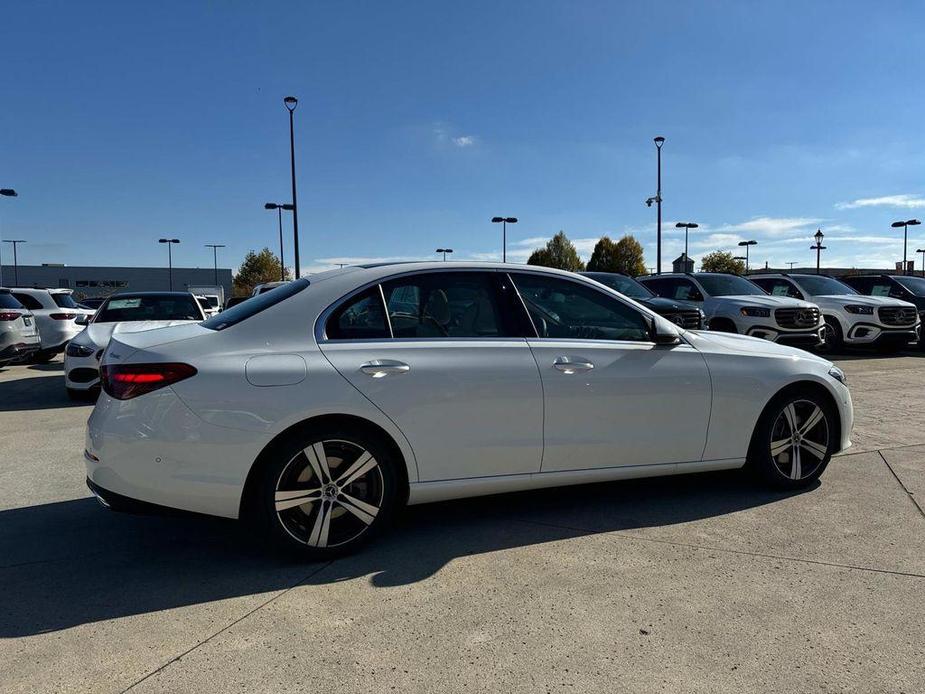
{"x": 903, "y": 486}
{"x": 630, "y": 536}
{"x": 227, "y": 627}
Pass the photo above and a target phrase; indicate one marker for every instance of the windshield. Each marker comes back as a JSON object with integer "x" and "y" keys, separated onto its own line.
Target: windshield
{"x": 727, "y": 285}
{"x": 9, "y": 301}
{"x": 820, "y": 286}
{"x": 916, "y": 285}
{"x": 64, "y": 300}
{"x": 254, "y": 305}
{"x": 625, "y": 285}
{"x": 149, "y": 307}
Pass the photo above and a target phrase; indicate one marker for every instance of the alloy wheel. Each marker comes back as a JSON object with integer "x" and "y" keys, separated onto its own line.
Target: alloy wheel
{"x": 329, "y": 494}
{"x": 799, "y": 439}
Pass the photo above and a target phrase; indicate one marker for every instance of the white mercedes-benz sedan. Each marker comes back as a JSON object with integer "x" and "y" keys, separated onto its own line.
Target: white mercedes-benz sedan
{"x": 320, "y": 408}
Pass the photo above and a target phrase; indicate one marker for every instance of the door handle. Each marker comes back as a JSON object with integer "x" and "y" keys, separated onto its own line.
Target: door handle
{"x": 568, "y": 365}
{"x": 378, "y": 368}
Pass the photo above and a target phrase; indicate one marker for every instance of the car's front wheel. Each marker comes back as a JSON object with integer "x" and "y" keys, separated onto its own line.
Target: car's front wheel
{"x": 324, "y": 493}
{"x": 794, "y": 440}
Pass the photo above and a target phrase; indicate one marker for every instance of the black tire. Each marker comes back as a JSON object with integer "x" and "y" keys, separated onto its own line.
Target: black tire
{"x": 834, "y": 337}
{"x": 357, "y": 509}
{"x": 778, "y": 471}
{"x": 42, "y": 357}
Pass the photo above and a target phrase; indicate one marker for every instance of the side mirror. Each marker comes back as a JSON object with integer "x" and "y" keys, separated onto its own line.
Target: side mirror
{"x": 82, "y": 319}
{"x": 663, "y": 335}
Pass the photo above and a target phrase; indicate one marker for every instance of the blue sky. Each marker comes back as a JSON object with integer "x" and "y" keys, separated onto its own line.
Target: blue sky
{"x": 418, "y": 121}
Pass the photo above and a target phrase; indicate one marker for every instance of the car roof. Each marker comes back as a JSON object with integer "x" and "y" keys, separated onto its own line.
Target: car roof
{"x": 148, "y": 293}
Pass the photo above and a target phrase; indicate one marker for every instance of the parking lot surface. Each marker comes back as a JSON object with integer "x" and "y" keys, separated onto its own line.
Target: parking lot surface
{"x": 699, "y": 583}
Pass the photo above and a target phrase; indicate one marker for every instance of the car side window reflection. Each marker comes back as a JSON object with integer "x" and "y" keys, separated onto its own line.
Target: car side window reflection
{"x": 685, "y": 290}
{"x": 564, "y": 309}
{"x": 445, "y": 305}
{"x": 360, "y": 318}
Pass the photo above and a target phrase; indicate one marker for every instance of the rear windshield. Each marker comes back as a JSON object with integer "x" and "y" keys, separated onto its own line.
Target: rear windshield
{"x": 64, "y": 300}
{"x": 728, "y": 285}
{"x": 254, "y": 305}
{"x": 9, "y": 301}
{"x": 150, "y": 307}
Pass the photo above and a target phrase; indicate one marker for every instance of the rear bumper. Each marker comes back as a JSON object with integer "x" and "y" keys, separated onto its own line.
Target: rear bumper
{"x": 19, "y": 350}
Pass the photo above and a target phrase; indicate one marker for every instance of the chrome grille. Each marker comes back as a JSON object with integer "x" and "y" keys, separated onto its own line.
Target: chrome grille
{"x": 897, "y": 315}
{"x": 795, "y": 318}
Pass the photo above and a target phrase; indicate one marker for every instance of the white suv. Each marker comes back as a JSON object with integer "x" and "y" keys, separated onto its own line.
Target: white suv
{"x": 733, "y": 304}
{"x": 851, "y": 318}
{"x": 55, "y": 313}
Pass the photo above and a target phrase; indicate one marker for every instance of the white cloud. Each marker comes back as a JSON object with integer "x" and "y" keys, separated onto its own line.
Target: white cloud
{"x": 772, "y": 226}
{"x": 904, "y": 200}
{"x": 464, "y": 141}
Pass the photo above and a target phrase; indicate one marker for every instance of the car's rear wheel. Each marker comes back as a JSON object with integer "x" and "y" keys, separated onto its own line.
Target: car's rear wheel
{"x": 794, "y": 440}
{"x": 325, "y": 493}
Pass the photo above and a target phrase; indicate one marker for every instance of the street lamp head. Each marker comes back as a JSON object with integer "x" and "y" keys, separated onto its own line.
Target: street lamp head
{"x": 818, "y": 235}
{"x": 168, "y": 240}
{"x": 8, "y": 193}
{"x": 913, "y": 222}
{"x": 748, "y": 243}
{"x": 897, "y": 225}
{"x": 497, "y": 220}
{"x": 511, "y": 220}
{"x": 687, "y": 225}
{"x": 659, "y": 141}
{"x": 291, "y": 102}
{"x": 270, "y": 206}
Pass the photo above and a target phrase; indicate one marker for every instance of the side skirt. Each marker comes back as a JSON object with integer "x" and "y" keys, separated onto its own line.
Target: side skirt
{"x": 442, "y": 490}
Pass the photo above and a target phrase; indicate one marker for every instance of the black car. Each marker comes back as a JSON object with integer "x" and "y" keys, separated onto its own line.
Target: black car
{"x": 905, "y": 287}
{"x": 684, "y": 313}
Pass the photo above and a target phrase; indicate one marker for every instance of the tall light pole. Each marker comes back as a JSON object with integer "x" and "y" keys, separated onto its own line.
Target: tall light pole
{"x": 15, "y": 243}
{"x": 291, "y": 102}
{"x": 905, "y": 225}
{"x": 504, "y": 221}
{"x": 5, "y": 193}
{"x": 818, "y": 247}
{"x": 922, "y": 251}
{"x": 747, "y": 244}
{"x": 444, "y": 251}
{"x": 215, "y": 247}
{"x": 279, "y": 207}
{"x": 791, "y": 263}
{"x": 169, "y": 243}
{"x": 659, "y": 141}
{"x": 687, "y": 226}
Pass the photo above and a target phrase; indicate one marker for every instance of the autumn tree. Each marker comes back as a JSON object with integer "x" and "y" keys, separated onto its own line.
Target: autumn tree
{"x": 721, "y": 261}
{"x": 623, "y": 256}
{"x": 559, "y": 253}
{"x": 257, "y": 268}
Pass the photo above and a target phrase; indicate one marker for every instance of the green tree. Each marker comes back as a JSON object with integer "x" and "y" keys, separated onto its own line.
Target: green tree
{"x": 721, "y": 261}
{"x": 559, "y": 253}
{"x": 257, "y": 268}
{"x": 623, "y": 256}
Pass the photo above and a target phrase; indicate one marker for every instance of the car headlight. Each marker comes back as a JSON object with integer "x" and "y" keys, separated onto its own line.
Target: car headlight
{"x": 77, "y": 350}
{"x": 863, "y": 310}
{"x": 838, "y": 375}
{"x": 755, "y": 311}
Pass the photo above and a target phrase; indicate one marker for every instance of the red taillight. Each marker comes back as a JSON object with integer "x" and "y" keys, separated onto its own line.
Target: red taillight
{"x": 63, "y": 316}
{"x": 7, "y": 315}
{"x": 127, "y": 381}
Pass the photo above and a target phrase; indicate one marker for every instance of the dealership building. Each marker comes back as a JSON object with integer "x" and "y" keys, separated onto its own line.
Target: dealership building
{"x": 102, "y": 281}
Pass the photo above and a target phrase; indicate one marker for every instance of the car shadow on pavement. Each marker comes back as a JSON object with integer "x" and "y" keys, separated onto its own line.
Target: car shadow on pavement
{"x": 70, "y": 563}
{"x": 35, "y": 393}
{"x": 50, "y": 366}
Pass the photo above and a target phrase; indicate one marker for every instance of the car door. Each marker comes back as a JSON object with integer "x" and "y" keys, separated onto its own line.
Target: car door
{"x": 612, "y": 396}
{"x": 441, "y": 355}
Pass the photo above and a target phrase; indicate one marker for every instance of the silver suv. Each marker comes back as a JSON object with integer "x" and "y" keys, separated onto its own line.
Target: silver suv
{"x": 735, "y": 305}
{"x": 19, "y": 337}
{"x": 851, "y": 319}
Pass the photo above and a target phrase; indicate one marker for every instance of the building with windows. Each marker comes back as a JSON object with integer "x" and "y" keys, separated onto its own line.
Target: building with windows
{"x": 102, "y": 281}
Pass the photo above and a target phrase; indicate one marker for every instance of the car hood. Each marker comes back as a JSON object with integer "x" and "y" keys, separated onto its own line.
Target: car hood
{"x": 763, "y": 300}
{"x": 100, "y": 333}
{"x": 860, "y": 300}
{"x": 732, "y": 343}
{"x": 660, "y": 303}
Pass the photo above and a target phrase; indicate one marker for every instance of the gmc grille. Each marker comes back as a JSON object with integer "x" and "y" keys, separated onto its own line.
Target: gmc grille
{"x": 795, "y": 318}
{"x": 897, "y": 315}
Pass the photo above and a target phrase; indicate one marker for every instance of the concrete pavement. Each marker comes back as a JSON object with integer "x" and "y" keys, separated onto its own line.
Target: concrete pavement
{"x": 700, "y": 583}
